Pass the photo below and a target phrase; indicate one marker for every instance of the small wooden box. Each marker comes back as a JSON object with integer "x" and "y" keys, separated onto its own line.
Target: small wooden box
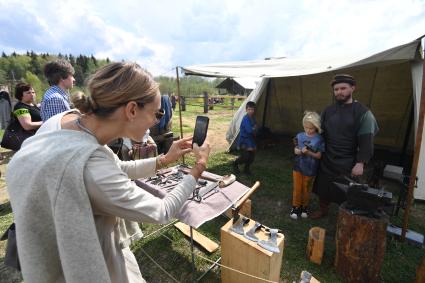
{"x": 245, "y": 210}
{"x": 239, "y": 253}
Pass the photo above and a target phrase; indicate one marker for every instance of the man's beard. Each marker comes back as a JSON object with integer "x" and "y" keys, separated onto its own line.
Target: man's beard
{"x": 343, "y": 99}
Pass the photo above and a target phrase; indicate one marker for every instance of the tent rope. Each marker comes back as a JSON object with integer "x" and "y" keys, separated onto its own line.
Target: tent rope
{"x": 159, "y": 266}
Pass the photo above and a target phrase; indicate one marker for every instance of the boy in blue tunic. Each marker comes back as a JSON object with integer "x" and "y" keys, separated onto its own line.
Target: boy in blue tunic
{"x": 308, "y": 152}
{"x": 246, "y": 142}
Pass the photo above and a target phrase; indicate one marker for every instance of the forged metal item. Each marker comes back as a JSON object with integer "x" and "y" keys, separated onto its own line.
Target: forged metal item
{"x": 238, "y": 227}
{"x": 307, "y": 144}
{"x": 364, "y": 200}
{"x": 250, "y": 235}
{"x": 305, "y": 277}
{"x": 200, "y": 193}
{"x": 271, "y": 243}
{"x": 267, "y": 229}
{"x": 214, "y": 191}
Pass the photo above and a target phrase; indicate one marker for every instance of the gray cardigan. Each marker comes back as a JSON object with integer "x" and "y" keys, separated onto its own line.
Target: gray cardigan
{"x": 56, "y": 233}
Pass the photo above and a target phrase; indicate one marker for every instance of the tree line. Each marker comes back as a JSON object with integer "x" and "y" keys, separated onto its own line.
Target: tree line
{"x": 29, "y": 68}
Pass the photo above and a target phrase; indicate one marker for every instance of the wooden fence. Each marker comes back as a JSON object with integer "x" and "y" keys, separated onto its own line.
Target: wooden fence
{"x": 211, "y": 102}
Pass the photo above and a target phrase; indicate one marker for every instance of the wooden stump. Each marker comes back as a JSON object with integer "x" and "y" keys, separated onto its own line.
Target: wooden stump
{"x": 316, "y": 244}
{"x": 360, "y": 246}
{"x": 420, "y": 272}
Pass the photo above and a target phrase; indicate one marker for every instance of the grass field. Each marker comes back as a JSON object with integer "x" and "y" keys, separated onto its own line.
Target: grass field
{"x": 168, "y": 250}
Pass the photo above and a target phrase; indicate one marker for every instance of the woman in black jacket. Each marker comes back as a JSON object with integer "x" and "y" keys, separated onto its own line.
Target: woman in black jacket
{"x": 27, "y": 114}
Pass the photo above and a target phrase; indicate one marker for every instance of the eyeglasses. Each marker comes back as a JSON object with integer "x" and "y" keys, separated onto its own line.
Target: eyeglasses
{"x": 158, "y": 114}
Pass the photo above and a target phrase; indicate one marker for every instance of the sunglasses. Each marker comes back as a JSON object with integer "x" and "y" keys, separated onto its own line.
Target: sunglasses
{"x": 158, "y": 115}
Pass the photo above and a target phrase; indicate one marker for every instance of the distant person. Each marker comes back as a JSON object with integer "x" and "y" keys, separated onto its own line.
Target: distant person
{"x": 308, "y": 150}
{"x": 68, "y": 207}
{"x": 246, "y": 142}
{"x": 27, "y": 113}
{"x": 173, "y": 101}
{"x": 26, "y": 117}
{"x": 162, "y": 132}
{"x": 348, "y": 129}
{"x": 5, "y": 109}
{"x": 60, "y": 75}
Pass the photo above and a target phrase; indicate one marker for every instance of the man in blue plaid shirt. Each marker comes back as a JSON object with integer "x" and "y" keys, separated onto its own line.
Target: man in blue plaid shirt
{"x": 60, "y": 75}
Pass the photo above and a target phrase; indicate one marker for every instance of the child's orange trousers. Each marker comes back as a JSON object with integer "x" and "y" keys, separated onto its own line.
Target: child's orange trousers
{"x": 302, "y": 189}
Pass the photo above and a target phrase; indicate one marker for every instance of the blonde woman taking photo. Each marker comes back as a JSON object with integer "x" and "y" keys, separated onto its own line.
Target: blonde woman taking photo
{"x": 75, "y": 192}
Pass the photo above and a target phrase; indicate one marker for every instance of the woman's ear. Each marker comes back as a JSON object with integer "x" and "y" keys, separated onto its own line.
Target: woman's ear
{"x": 131, "y": 109}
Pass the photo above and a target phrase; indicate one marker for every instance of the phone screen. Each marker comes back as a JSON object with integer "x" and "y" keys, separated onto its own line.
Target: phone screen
{"x": 201, "y": 128}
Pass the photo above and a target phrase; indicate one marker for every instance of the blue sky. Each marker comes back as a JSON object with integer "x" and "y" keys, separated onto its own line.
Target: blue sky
{"x": 163, "y": 34}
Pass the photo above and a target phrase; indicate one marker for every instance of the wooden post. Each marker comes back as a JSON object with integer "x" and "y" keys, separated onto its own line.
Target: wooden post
{"x": 232, "y": 103}
{"x": 316, "y": 244}
{"x": 360, "y": 246}
{"x": 416, "y": 154}
{"x": 205, "y": 102}
{"x": 180, "y": 110}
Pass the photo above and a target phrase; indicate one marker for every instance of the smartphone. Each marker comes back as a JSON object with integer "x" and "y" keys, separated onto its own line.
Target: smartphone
{"x": 201, "y": 128}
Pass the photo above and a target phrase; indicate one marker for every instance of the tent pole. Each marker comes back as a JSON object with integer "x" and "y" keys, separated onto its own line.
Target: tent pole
{"x": 180, "y": 110}
{"x": 404, "y": 154}
{"x": 266, "y": 103}
{"x": 417, "y": 151}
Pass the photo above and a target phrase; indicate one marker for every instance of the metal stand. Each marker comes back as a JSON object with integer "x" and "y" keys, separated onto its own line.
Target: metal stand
{"x": 193, "y": 255}
{"x": 193, "y": 261}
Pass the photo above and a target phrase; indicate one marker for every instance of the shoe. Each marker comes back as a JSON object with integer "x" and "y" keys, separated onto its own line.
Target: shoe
{"x": 236, "y": 168}
{"x": 295, "y": 211}
{"x": 304, "y": 212}
{"x": 318, "y": 214}
{"x": 322, "y": 212}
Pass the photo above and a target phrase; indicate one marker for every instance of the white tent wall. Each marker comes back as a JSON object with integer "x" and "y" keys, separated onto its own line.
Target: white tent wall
{"x": 233, "y": 130}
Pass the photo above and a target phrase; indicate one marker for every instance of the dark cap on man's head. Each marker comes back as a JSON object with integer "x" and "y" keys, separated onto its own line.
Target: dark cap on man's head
{"x": 343, "y": 78}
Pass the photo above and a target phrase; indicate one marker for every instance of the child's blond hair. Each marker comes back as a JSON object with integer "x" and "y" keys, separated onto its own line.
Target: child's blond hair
{"x": 313, "y": 118}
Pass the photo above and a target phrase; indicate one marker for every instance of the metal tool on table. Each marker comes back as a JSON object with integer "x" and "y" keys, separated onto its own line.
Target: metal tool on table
{"x": 201, "y": 192}
{"x": 238, "y": 227}
{"x": 271, "y": 243}
{"x": 205, "y": 192}
{"x": 250, "y": 235}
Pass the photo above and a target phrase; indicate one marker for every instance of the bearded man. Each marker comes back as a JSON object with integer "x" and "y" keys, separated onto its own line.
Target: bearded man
{"x": 348, "y": 130}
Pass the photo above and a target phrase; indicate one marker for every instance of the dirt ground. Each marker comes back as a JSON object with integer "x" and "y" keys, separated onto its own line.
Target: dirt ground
{"x": 216, "y": 131}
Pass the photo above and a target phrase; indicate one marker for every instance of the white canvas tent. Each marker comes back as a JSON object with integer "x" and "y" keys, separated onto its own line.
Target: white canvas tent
{"x": 389, "y": 83}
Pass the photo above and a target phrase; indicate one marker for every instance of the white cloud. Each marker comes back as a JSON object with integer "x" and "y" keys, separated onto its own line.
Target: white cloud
{"x": 162, "y": 35}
